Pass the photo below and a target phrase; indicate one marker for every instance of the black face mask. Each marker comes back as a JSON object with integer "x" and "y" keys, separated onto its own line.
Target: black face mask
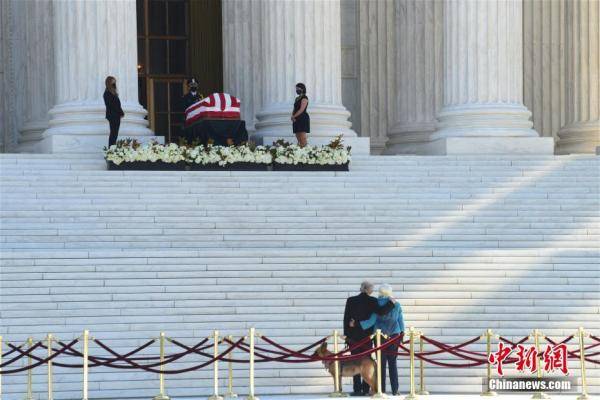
{"x": 114, "y": 85}
{"x": 298, "y": 91}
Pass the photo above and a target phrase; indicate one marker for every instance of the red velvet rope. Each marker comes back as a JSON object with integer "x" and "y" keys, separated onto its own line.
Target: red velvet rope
{"x": 458, "y": 348}
{"x": 588, "y": 347}
{"x": 101, "y": 361}
{"x": 148, "y": 367}
{"x": 574, "y": 354}
{"x": 333, "y": 357}
{"x": 209, "y": 362}
{"x": 283, "y": 354}
{"x": 40, "y": 361}
{"x": 512, "y": 360}
{"x": 355, "y": 346}
{"x": 360, "y": 355}
{"x": 452, "y": 351}
{"x": 22, "y": 354}
{"x": 8, "y": 353}
{"x": 284, "y": 357}
{"x": 553, "y": 343}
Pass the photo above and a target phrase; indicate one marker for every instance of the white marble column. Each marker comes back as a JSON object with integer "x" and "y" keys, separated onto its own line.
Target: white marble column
{"x": 483, "y": 108}
{"x": 544, "y": 64}
{"x": 419, "y": 32}
{"x": 93, "y": 39}
{"x": 8, "y": 137}
{"x": 38, "y": 71}
{"x": 377, "y": 20}
{"x": 301, "y": 43}
{"x": 581, "y": 133}
{"x": 242, "y": 66}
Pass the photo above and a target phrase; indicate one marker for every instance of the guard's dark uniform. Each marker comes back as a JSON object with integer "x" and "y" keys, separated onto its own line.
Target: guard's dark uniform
{"x": 190, "y": 99}
{"x": 360, "y": 308}
{"x": 186, "y": 101}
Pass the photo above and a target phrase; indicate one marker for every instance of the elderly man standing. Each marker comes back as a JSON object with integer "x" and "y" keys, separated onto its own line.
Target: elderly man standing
{"x": 360, "y": 308}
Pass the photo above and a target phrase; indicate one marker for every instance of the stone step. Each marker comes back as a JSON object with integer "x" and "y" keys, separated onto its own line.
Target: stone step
{"x": 469, "y": 243}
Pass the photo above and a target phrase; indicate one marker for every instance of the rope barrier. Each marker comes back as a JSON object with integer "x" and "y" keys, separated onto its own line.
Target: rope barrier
{"x": 22, "y": 353}
{"x": 279, "y": 353}
{"x": 39, "y": 362}
{"x": 221, "y": 357}
{"x": 283, "y": 356}
{"x": 148, "y": 367}
{"x": 8, "y": 353}
{"x": 102, "y": 360}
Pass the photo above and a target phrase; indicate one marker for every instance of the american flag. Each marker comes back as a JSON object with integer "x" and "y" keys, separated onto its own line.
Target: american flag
{"x": 215, "y": 106}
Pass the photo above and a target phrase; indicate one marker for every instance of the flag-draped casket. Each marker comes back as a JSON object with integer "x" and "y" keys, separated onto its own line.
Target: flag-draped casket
{"x": 215, "y": 106}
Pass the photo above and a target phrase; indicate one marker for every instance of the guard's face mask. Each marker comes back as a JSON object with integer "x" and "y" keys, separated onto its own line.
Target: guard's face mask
{"x": 298, "y": 91}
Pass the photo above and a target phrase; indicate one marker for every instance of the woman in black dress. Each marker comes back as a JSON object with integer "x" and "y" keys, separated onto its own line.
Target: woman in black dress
{"x": 114, "y": 112}
{"x": 300, "y": 118}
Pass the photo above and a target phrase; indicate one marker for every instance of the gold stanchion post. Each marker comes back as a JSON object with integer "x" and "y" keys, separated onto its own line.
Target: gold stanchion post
{"x": 49, "y": 340}
{"x": 411, "y": 395}
{"x": 0, "y": 367}
{"x": 161, "y": 377}
{"x": 378, "y": 393}
{"x": 251, "y": 395}
{"x": 488, "y": 350}
{"x": 86, "y": 354}
{"x": 29, "y": 395}
{"x": 215, "y": 395}
{"x": 230, "y": 394}
{"x": 422, "y": 391}
{"x": 536, "y": 339}
{"x": 337, "y": 380}
{"x": 581, "y": 335}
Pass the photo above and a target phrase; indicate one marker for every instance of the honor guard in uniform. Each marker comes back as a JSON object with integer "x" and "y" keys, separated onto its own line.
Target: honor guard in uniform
{"x": 190, "y": 133}
{"x": 192, "y": 96}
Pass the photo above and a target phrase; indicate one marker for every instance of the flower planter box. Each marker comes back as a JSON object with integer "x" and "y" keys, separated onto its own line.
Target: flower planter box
{"x": 239, "y": 166}
{"x": 182, "y": 166}
{"x": 146, "y": 166}
{"x": 310, "y": 167}
{"x": 192, "y": 157}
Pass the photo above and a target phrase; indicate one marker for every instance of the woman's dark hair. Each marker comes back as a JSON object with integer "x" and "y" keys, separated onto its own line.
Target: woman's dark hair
{"x": 301, "y": 86}
{"x": 108, "y": 82}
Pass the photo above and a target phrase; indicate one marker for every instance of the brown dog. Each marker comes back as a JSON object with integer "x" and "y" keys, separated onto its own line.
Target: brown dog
{"x": 365, "y": 367}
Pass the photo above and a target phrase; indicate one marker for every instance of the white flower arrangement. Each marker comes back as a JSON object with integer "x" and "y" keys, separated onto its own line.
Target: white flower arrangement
{"x": 311, "y": 155}
{"x": 132, "y": 151}
{"x": 129, "y": 151}
{"x": 224, "y": 155}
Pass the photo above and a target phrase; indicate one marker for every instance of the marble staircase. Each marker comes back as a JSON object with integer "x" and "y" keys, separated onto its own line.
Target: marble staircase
{"x": 468, "y": 243}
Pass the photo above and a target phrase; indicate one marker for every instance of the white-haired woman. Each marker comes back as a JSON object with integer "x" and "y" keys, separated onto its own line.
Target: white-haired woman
{"x": 392, "y": 325}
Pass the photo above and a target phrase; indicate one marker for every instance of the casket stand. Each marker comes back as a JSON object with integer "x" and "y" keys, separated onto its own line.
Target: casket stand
{"x": 222, "y": 132}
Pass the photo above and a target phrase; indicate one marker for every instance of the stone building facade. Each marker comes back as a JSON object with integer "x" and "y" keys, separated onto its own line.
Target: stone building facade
{"x": 394, "y": 76}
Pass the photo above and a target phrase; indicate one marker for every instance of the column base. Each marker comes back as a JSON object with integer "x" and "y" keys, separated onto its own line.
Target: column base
{"x": 325, "y": 121}
{"x": 58, "y": 143}
{"x": 486, "y": 145}
{"x": 484, "y": 120}
{"x": 409, "y": 139}
{"x": 584, "y": 138}
{"x": 360, "y": 145}
{"x": 81, "y": 127}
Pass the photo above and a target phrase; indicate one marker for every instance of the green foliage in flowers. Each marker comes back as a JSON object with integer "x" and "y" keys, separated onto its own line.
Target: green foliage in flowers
{"x": 282, "y": 152}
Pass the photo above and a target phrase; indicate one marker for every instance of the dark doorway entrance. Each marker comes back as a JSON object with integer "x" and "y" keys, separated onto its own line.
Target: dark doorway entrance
{"x": 177, "y": 39}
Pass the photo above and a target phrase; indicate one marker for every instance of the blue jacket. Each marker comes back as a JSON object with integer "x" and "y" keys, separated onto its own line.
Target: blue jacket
{"x": 391, "y": 323}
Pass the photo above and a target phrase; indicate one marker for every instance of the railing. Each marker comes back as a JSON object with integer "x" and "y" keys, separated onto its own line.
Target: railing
{"x": 258, "y": 353}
